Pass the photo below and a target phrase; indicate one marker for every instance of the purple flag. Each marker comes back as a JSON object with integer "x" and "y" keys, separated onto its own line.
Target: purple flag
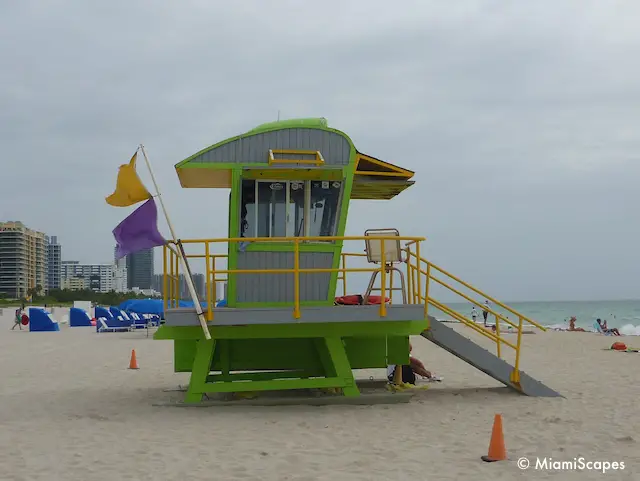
{"x": 139, "y": 231}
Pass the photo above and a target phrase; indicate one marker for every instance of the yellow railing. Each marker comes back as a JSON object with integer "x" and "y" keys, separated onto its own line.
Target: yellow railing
{"x": 212, "y": 272}
{"x": 419, "y": 271}
{"x": 419, "y": 279}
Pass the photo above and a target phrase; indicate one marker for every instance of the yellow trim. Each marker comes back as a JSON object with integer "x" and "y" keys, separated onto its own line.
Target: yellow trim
{"x": 378, "y": 189}
{"x": 381, "y": 174}
{"x": 288, "y": 174}
{"x": 198, "y": 178}
{"x": 318, "y": 160}
{"x": 391, "y": 170}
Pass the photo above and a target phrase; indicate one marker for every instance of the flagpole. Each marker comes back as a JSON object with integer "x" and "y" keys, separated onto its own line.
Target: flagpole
{"x": 183, "y": 261}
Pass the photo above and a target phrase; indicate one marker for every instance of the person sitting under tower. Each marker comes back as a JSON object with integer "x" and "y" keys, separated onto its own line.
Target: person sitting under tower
{"x": 409, "y": 372}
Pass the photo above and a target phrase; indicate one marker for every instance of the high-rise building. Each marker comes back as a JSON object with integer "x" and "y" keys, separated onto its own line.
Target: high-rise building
{"x": 198, "y": 283}
{"x": 97, "y": 277}
{"x": 54, "y": 262}
{"x": 23, "y": 260}
{"x": 140, "y": 269}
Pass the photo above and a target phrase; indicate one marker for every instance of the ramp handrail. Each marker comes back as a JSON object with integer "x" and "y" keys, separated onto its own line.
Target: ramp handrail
{"x": 420, "y": 270}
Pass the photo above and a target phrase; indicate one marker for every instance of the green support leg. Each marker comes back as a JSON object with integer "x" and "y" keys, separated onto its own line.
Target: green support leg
{"x": 200, "y": 371}
{"x": 225, "y": 358}
{"x": 342, "y": 366}
{"x": 325, "y": 358}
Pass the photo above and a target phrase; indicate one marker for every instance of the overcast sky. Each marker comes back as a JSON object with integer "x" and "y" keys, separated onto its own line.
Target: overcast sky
{"x": 519, "y": 119}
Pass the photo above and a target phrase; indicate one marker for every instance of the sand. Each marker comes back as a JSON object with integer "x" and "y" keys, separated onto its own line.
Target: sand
{"x": 71, "y": 410}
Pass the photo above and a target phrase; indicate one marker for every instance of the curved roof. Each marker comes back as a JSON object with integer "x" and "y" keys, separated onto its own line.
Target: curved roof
{"x": 373, "y": 178}
{"x": 319, "y": 123}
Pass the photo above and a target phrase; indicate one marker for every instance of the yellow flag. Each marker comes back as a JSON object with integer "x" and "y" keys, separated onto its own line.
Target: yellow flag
{"x": 129, "y": 188}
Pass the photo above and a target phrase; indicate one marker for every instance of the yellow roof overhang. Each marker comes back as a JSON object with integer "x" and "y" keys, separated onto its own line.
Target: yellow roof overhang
{"x": 377, "y": 179}
{"x": 378, "y": 190}
{"x": 370, "y": 166}
{"x": 373, "y": 179}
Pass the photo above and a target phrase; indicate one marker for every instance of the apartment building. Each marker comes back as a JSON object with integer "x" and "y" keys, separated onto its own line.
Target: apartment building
{"x": 54, "y": 262}
{"x": 198, "y": 283}
{"x": 140, "y": 269}
{"x": 74, "y": 283}
{"x": 97, "y": 277}
{"x": 23, "y": 260}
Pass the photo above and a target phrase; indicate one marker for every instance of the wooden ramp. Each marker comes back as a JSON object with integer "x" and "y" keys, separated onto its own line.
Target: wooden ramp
{"x": 467, "y": 350}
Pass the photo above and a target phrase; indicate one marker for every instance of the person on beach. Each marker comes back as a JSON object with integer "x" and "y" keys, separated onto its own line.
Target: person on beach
{"x": 18, "y": 319}
{"x": 485, "y": 312}
{"x": 572, "y": 325}
{"x": 474, "y": 313}
{"x": 603, "y": 325}
{"x": 409, "y": 371}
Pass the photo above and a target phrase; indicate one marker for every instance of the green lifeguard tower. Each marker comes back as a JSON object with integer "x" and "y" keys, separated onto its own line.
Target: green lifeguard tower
{"x": 279, "y": 327}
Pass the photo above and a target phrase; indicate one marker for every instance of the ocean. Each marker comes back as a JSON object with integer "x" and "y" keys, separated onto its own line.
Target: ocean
{"x": 625, "y": 315}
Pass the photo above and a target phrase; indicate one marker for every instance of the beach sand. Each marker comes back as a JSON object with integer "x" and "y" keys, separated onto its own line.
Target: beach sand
{"x": 71, "y": 410}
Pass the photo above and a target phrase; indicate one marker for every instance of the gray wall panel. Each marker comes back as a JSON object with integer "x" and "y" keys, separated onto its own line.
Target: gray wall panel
{"x": 279, "y": 287}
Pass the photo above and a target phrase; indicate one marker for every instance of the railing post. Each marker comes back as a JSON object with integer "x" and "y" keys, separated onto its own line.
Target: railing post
{"x": 344, "y": 274}
{"x": 171, "y": 283}
{"x": 165, "y": 279}
{"x": 383, "y": 279}
{"x": 515, "y": 374}
{"x": 426, "y": 290}
{"x": 391, "y": 271}
{"x": 208, "y": 279}
{"x": 176, "y": 289}
{"x": 414, "y": 283}
{"x": 407, "y": 261}
{"x": 498, "y": 347}
{"x": 418, "y": 270}
{"x": 214, "y": 285}
{"x": 296, "y": 279}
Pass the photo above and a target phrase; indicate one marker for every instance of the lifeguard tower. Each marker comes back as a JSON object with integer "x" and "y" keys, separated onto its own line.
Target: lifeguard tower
{"x": 291, "y": 183}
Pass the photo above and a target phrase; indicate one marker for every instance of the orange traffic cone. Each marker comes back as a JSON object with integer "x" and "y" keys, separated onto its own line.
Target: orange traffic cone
{"x": 133, "y": 363}
{"x": 497, "y": 450}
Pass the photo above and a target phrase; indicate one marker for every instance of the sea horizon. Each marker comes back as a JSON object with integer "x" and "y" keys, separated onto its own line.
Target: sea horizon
{"x": 621, "y": 314}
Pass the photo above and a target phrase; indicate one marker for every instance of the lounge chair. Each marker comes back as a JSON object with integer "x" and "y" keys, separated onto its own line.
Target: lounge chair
{"x": 599, "y": 329}
{"x": 136, "y": 321}
{"x": 109, "y": 325}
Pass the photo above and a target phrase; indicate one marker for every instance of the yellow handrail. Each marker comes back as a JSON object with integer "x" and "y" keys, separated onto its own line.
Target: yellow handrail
{"x": 270, "y": 240}
{"x": 171, "y": 296}
{"x": 415, "y": 274}
{"x": 486, "y": 296}
{"x": 459, "y": 317}
{"x": 419, "y": 272}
